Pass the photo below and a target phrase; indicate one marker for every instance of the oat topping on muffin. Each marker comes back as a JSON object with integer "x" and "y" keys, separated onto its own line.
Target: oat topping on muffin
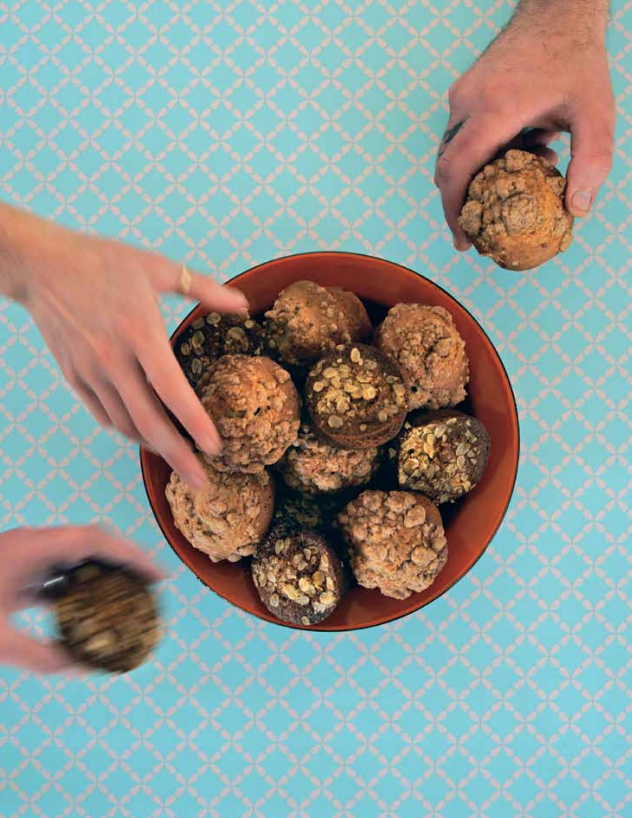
{"x": 515, "y": 211}
{"x": 442, "y": 454}
{"x": 426, "y": 345}
{"x": 256, "y": 409}
{"x": 308, "y": 321}
{"x": 356, "y": 397}
{"x": 228, "y": 518}
{"x": 298, "y": 575}
{"x": 313, "y": 466}
{"x": 107, "y": 616}
{"x": 396, "y": 540}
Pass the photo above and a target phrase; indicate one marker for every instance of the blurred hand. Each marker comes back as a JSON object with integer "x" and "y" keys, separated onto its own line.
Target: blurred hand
{"x": 547, "y": 71}
{"x": 96, "y": 304}
{"x": 26, "y": 555}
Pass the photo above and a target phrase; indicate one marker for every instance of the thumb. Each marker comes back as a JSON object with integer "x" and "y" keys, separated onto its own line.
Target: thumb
{"x": 592, "y": 139}
{"x": 22, "y": 651}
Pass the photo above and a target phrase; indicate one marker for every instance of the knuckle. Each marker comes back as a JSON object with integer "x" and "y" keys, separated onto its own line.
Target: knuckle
{"x": 151, "y": 430}
{"x": 601, "y": 159}
{"x": 456, "y": 93}
{"x": 102, "y": 356}
{"x": 70, "y": 376}
{"x": 443, "y": 170}
{"x": 127, "y": 428}
{"x": 127, "y": 324}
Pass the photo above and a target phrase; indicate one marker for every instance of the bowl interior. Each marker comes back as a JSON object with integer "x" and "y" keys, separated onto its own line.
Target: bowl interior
{"x": 470, "y": 524}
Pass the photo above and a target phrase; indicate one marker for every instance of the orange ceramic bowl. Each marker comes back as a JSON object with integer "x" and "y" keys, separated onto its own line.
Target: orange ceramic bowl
{"x": 470, "y": 524}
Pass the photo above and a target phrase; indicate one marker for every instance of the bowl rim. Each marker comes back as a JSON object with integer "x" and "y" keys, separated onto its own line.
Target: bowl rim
{"x": 515, "y": 465}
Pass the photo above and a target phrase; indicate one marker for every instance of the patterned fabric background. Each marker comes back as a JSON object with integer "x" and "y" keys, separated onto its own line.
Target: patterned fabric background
{"x": 226, "y": 133}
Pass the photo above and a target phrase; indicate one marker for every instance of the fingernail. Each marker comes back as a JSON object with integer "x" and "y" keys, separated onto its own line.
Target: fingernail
{"x": 241, "y": 302}
{"x": 198, "y": 481}
{"x": 581, "y": 200}
{"x": 210, "y": 444}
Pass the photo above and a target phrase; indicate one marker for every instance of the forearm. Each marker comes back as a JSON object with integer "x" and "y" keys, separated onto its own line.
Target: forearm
{"x": 24, "y": 239}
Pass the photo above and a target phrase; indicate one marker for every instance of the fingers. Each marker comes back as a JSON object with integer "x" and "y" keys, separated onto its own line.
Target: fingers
{"x": 169, "y": 277}
{"x": 71, "y": 544}
{"x": 152, "y": 423}
{"x": 113, "y": 548}
{"x": 92, "y": 403}
{"x": 104, "y": 403}
{"x": 117, "y": 412}
{"x": 592, "y": 145}
{"x": 536, "y": 137}
{"x": 171, "y": 385}
{"x": 216, "y": 297}
{"x": 19, "y": 650}
{"x": 476, "y": 142}
{"x": 537, "y": 141}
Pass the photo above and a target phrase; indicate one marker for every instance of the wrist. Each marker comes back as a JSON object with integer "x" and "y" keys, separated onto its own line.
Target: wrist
{"x": 586, "y": 19}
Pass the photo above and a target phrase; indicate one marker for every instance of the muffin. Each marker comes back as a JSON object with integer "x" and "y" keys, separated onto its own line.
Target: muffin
{"x": 442, "y": 454}
{"x": 429, "y": 351}
{"x": 396, "y": 541}
{"x": 515, "y": 213}
{"x": 308, "y": 321}
{"x": 313, "y": 466}
{"x": 298, "y": 575}
{"x": 107, "y": 616}
{"x": 256, "y": 409}
{"x": 356, "y": 398}
{"x": 311, "y": 511}
{"x": 228, "y": 518}
{"x": 212, "y": 336}
{"x": 356, "y": 316}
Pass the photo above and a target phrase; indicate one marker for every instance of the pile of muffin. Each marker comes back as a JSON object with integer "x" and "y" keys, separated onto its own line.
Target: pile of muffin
{"x": 339, "y": 441}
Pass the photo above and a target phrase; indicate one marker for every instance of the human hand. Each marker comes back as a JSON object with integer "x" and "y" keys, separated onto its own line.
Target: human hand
{"x": 96, "y": 304}
{"x": 26, "y": 555}
{"x": 547, "y": 71}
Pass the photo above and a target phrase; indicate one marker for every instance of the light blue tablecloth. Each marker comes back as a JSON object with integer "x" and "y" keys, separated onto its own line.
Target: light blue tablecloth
{"x": 225, "y": 134}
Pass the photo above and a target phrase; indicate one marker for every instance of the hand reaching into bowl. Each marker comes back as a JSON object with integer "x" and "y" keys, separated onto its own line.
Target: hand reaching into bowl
{"x": 27, "y": 555}
{"x": 548, "y": 72}
{"x": 95, "y": 302}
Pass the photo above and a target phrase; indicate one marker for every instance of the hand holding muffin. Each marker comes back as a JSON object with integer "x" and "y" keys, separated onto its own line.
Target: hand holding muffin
{"x": 548, "y": 72}
{"x": 32, "y": 556}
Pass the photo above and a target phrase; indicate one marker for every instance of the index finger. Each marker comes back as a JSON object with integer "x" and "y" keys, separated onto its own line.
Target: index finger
{"x": 475, "y": 142}
{"x": 167, "y": 378}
